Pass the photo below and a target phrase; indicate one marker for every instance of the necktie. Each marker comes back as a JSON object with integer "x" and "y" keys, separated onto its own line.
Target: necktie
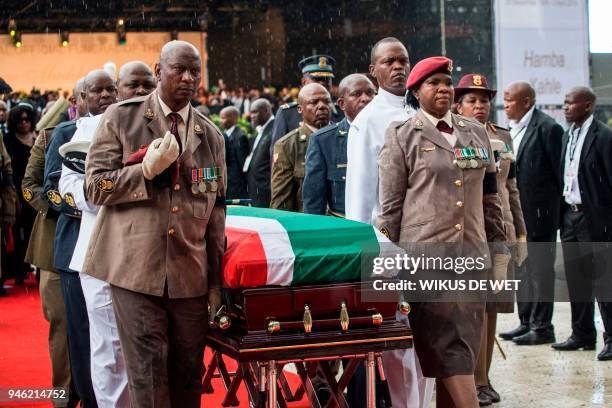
{"x": 174, "y": 117}
{"x": 443, "y": 127}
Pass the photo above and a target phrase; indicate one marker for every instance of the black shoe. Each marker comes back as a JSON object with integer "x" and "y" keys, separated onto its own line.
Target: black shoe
{"x": 492, "y": 393}
{"x": 572, "y": 344}
{"x": 532, "y": 338}
{"x": 606, "y": 353}
{"x": 484, "y": 399}
{"x": 519, "y": 331}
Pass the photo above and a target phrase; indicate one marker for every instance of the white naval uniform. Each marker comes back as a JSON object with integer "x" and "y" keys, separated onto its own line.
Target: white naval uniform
{"x": 407, "y": 385}
{"x": 108, "y": 371}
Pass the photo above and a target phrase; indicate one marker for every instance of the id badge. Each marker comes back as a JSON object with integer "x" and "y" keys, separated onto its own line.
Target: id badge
{"x": 567, "y": 188}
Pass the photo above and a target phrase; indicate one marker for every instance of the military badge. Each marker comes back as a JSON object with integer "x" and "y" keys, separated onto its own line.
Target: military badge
{"x": 385, "y": 232}
{"x": 107, "y": 185}
{"x": 302, "y": 138}
{"x": 477, "y": 80}
{"x": 149, "y": 114}
{"x": 461, "y": 123}
{"x": 27, "y": 194}
{"x": 450, "y": 66}
{"x": 54, "y": 197}
{"x": 69, "y": 199}
{"x": 322, "y": 62}
{"x": 198, "y": 130}
{"x": 418, "y": 124}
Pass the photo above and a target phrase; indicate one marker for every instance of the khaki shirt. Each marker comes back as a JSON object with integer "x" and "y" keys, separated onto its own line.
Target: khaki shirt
{"x": 288, "y": 169}
{"x": 506, "y": 185}
{"x": 147, "y": 237}
{"x": 425, "y": 197}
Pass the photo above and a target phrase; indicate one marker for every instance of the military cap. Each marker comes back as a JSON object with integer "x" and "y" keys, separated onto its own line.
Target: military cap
{"x": 318, "y": 66}
{"x": 74, "y": 154}
{"x": 471, "y": 82}
{"x": 426, "y": 68}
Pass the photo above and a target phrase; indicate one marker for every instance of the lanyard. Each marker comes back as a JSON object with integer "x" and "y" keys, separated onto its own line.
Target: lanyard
{"x": 574, "y": 144}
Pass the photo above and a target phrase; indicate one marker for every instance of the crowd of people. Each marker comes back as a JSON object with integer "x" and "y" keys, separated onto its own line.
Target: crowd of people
{"x": 122, "y": 198}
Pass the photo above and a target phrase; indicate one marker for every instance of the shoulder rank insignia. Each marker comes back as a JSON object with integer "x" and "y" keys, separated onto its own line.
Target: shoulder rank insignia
{"x": 385, "y": 232}
{"x": 27, "y": 194}
{"x": 106, "y": 185}
{"x": 198, "y": 129}
{"x": 69, "y": 199}
{"x": 149, "y": 114}
{"x": 54, "y": 197}
{"x": 418, "y": 124}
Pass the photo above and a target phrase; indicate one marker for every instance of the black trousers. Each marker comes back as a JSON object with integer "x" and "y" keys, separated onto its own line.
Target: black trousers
{"x": 78, "y": 338}
{"x": 537, "y": 288}
{"x": 583, "y": 263}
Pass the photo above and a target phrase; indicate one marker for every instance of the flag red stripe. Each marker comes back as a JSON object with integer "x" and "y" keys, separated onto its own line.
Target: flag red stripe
{"x": 235, "y": 273}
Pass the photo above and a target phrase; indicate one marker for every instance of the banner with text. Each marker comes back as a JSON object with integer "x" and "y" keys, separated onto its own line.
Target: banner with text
{"x": 544, "y": 42}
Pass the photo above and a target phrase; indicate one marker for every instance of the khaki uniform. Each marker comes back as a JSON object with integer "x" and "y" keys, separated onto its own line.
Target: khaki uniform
{"x": 288, "y": 169}
{"x": 8, "y": 195}
{"x": 426, "y": 197}
{"x": 160, "y": 246}
{"x": 40, "y": 253}
{"x": 157, "y": 237}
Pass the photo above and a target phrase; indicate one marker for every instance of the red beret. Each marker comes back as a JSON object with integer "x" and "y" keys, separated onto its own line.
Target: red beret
{"x": 426, "y": 68}
{"x": 472, "y": 82}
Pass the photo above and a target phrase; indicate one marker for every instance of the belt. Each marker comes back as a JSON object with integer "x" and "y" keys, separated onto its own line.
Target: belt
{"x": 576, "y": 207}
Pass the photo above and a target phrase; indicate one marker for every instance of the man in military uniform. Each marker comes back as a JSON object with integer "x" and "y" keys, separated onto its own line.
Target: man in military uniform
{"x": 159, "y": 238}
{"x": 40, "y": 253}
{"x": 135, "y": 79}
{"x": 8, "y": 196}
{"x": 316, "y": 69}
{"x": 288, "y": 162}
{"x": 99, "y": 93}
{"x": 324, "y": 181}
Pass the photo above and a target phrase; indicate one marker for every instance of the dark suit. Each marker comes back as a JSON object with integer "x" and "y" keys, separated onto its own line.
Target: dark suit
{"x": 66, "y": 234}
{"x": 325, "y": 177}
{"x": 236, "y": 151}
{"x": 259, "y": 171}
{"x": 538, "y": 163}
{"x": 587, "y": 265}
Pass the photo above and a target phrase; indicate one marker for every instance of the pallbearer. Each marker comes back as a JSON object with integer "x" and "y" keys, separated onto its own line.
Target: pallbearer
{"x": 437, "y": 184}
{"x": 473, "y": 99}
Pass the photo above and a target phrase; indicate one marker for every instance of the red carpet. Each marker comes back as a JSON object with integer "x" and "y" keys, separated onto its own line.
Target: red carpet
{"x": 24, "y": 357}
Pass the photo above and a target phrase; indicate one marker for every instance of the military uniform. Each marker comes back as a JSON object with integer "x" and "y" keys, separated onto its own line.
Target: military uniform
{"x": 166, "y": 241}
{"x": 288, "y": 168}
{"x": 66, "y": 234}
{"x": 325, "y": 174}
{"x": 40, "y": 253}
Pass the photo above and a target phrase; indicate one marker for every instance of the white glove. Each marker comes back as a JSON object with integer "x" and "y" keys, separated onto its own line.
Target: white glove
{"x": 160, "y": 155}
{"x": 521, "y": 250}
{"x": 500, "y": 266}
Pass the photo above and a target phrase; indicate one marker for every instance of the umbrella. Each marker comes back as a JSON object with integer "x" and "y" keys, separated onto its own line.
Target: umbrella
{"x": 4, "y": 87}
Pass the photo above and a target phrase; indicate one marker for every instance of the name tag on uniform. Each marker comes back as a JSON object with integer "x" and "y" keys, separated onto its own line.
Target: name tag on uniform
{"x": 341, "y": 166}
{"x": 428, "y": 149}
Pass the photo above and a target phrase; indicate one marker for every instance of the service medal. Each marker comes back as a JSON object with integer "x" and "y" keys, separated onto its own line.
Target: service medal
{"x": 194, "y": 188}
{"x": 473, "y": 163}
{"x": 461, "y": 164}
{"x": 202, "y": 187}
{"x": 213, "y": 186}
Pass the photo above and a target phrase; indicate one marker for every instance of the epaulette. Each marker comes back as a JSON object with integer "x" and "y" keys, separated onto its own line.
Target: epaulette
{"x": 469, "y": 119}
{"x": 499, "y": 127}
{"x": 326, "y": 129}
{"x": 288, "y": 136}
{"x": 137, "y": 99}
{"x": 399, "y": 123}
{"x": 289, "y": 105}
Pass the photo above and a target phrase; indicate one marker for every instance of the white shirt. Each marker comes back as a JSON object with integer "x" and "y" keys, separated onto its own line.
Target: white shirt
{"x": 571, "y": 188}
{"x": 72, "y": 182}
{"x": 260, "y": 129}
{"x": 518, "y": 129}
{"x": 229, "y": 131}
{"x": 452, "y": 139}
{"x": 182, "y": 124}
{"x": 366, "y": 137}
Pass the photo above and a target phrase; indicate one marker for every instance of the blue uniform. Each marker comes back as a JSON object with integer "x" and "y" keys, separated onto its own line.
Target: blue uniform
{"x": 325, "y": 178}
{"x": 66, "y": 235}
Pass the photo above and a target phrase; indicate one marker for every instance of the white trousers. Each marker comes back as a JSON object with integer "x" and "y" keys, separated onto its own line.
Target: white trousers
{"x": 108, "y": 372}
{"x": 408, "y": 387}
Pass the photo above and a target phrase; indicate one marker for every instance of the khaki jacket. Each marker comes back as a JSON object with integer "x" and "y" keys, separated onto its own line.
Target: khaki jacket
{"x": 425, "y": 197}
{"x": 42, "y": 239}
{"x": 8, "y": 194}
{"x": 288, "y": 169}
{"x": 506, "y": 185}
{"x": 147, "y": 237}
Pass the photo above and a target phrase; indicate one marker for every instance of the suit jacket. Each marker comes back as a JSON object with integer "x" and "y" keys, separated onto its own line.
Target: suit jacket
{"x": 325, "y": 176}
{"x": 258, "y": 174}
{"x": 148, "y": 237}
{"x": 537, "y": 165}
{"x": 41, "y": 246}
{"x": 69, "y": 220}
{"x": 288, "y": 170}
{"x": 236, "y": 151}
{"x": 595, "y": 180}
{"x": 425, "y": 197}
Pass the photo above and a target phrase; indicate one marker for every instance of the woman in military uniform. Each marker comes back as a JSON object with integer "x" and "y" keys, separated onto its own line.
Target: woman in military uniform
{"x": 473, "y": 99}
{"x": 437, "y": 184}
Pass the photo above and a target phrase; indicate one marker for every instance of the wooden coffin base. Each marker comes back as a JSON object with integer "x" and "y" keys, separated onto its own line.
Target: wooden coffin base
{"x": 262, "y": 356}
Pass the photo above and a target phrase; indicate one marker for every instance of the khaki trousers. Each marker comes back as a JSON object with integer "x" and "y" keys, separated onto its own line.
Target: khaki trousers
{"x": 485, "y": 355}
{"x": 54, "y": 311}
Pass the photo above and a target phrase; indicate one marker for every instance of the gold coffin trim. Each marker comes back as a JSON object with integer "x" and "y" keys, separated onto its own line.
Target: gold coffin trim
{"x": 319, "y": 345}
